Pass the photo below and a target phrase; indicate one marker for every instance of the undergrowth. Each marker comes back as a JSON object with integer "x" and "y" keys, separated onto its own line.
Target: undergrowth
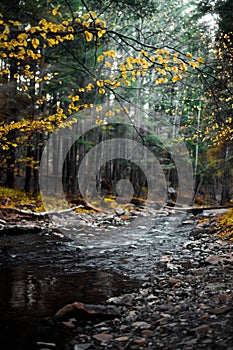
{"x": 224, "y": 225}
{"x": 14, "y": 198}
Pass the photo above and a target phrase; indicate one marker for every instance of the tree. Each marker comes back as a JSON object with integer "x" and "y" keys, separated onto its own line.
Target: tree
{"x": 72, "y": 59}
{"x": 218, "y": 109}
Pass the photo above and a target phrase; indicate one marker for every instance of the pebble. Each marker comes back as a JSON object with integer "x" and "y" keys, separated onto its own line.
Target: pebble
{"x": 121, "y": 339}
{"x": 103, "y": 337}
{"x": 46, "y": 345}
{"x": 141, "y": 324}
{"x": 82, "y": 346}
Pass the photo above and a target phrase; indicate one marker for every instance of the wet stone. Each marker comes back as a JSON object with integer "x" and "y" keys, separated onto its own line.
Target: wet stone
{"x": 82, "y": 346}
{"x": 141, "y": 324}
{"x": 103, "y": 337}
{"x": 121, "y": 339}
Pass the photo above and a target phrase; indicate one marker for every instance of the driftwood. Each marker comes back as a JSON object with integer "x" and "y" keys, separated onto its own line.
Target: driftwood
{"x": 82, "y": 311}
{"x": 84, "y": 204}
{"x": 39, "y": 214}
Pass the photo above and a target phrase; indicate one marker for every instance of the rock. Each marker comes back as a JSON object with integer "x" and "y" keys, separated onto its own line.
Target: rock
{"x": 187, "y": 222}
{"x": 214, "y": 259}
{"x": 147, "y": 332}
{"x": 119, "y": 339}
{"x": 228, "y": 259}
{"x": 123, "y": 300}
{"x": 166, "y": 258}
{"x": 141, "y": 324}
{"x": 202, "y": 328}
{"x": 68, "y": 324}
{"x": 119, "y": 211}
{"x": 125, "y": 217}
{"x": 140, "y": 341}
{"x": 221, "y": 310}
{"x": 103, "y": 337}
{"x": 82, "y": 346}
{"x": 174, "y": 280}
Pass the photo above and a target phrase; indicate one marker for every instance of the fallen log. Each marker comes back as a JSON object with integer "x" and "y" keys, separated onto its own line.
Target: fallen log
{"x": 40, "y": 214}
{"x": 196, "y": 210}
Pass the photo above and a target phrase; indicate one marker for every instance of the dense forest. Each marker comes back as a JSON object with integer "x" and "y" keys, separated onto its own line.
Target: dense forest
{"x": 93, "y": 93}
{"x": 116, "y": 174}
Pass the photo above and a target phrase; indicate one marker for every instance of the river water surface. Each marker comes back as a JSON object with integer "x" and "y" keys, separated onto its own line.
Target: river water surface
{"x": 41, "y": 273}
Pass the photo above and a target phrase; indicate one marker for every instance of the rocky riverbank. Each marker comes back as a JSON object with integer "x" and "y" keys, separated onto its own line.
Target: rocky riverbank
{"x": 186, "y": 304}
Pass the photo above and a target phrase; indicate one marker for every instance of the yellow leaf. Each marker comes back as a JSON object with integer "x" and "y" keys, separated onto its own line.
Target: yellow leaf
{"x": 200, "y": 60}
{"x": 88, "y": 35}
{"x": 176, "y": 78}
{"x": 99, "y": 121}
{"x": 102, "y": 91}
{"x": 160, "y": 59}
{"x": 183, "y": 66}
{"x": 122, "y": 67}
{"x": 22, "y": 36}
{"x": 175, "y": 69}
{"x": 93, "y": 14}
{"x": 89, "y": 87}
{"x": 100, "y": 33}
{"x": 161, "y": 80}
{"x": 75, "y": 98}
{"x": 100, "y": 22}
{"x": 162, "y": 71}
{"x": 110, "y": 53}
{"x": 100, "y": 83}
{"x": 189, "y": 55}
{"x": 54, "y": 12}
{"x": 100, "y": 58}
{"x": 193, "y": 64}
{"x": 35, "y": 42}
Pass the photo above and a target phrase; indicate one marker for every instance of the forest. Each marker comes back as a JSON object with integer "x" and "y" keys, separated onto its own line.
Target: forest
{"x": 164, "y": 67}
{"x": 116, "y": 174}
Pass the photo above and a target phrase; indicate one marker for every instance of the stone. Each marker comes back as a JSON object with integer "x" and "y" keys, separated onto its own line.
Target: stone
{"x": 202, "y": 328}
{"x": 46, "y": 345}
{"x": 147, "y": 332}
{"x": 121, "y": 339}
{"x": 221, "y": 310}
{"x": 214, "y": 259}
{"x": 140, "y": 341}
{"x": 82, "y": 346}
{"x": 119, "y": 211}
{"x": 103, "y": 337}
{"x": 68, "y": 324}
{"x": 174, "y": 280}
{"x": 141, "y": 324}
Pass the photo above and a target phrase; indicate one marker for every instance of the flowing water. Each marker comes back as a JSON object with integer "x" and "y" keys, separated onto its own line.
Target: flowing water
{"x": 41, "y": 273}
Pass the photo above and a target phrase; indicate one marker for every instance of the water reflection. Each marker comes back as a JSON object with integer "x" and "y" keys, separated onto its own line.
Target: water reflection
{"x": 27, "y": 295}
{"x": 35, "y": 289}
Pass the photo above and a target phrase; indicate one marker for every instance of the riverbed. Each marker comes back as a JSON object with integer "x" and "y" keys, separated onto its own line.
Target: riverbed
{"x": 40, "y": 273}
